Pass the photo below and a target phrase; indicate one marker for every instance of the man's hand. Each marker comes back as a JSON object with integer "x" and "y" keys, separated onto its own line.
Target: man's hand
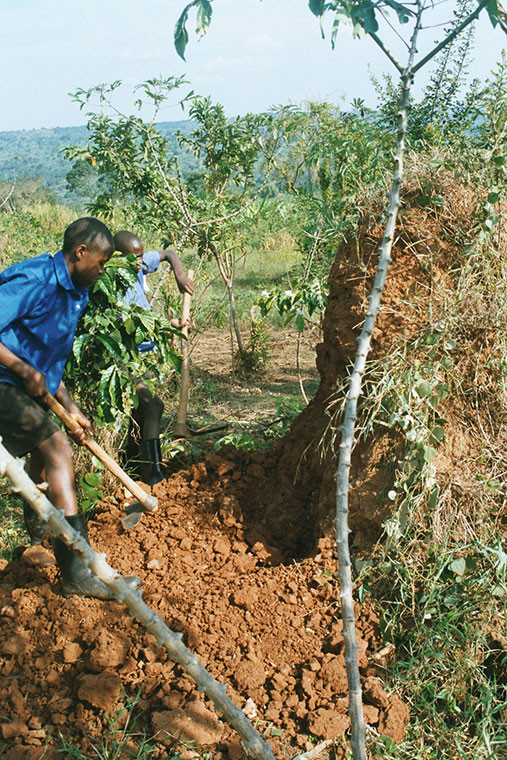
{"x": 34, "y": 381}
{"x": 181, "y": 323}
{"x": 79, "y": 436}
{"x": 185, "y": 284}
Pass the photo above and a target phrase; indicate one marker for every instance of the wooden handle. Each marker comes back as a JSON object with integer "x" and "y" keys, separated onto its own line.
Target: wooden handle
{"x": 148, "y": 501}
{"x": 180, "y": 426}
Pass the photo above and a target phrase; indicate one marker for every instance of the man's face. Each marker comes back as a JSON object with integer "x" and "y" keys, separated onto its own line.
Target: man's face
{"x": 90, "y": 262}
{"x": 138, "y": 250}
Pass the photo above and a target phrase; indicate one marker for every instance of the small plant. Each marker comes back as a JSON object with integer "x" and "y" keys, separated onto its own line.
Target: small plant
{"x": 240, "y": 440}
{"x": 297, "y": 304}
{"x": 90, "y": 484}
{"x": 105, "y": 355}
{"x": 256, "y": 354}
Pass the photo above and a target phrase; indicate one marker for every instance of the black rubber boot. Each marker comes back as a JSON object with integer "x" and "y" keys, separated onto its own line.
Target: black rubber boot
{"x": 35, "y": 527}
{"x": 152, "y": 471}
{"x": 76, "y": 577}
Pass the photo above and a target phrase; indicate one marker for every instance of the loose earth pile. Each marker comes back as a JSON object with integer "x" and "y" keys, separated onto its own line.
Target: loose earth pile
{"x": 270, "y": 631}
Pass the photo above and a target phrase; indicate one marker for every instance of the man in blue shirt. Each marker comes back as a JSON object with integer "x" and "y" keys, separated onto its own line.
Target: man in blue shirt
{"x": 41, "y": 300}
{"x": 148, "y": 415}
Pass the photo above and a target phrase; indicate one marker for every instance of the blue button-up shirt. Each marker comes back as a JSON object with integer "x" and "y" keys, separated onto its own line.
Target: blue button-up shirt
{"x": 39, "y": 310}
{"x": 137, "y": 293}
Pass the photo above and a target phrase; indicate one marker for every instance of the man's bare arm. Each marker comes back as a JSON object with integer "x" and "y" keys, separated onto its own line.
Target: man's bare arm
{"x": 33, "y": 380}
{"x": 185, "y": 285}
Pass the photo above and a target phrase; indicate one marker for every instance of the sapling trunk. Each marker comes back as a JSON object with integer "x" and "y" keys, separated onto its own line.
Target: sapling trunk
{"x": 60, "y": 528}
{"x": 234, "y": 318}
{"x": 347, "y": 438}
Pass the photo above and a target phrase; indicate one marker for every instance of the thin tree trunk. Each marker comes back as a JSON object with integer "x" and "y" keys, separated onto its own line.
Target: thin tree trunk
{"x": 347, "y": 439}
{"x": 123, "y": 593}
{"x": 234, "y": 318}
{"x": 298, "y": 364}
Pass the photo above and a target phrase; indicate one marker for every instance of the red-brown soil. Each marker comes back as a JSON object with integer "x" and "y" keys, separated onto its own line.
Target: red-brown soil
{"x": 270, "y": 631}
{"x": 426, "y": 254}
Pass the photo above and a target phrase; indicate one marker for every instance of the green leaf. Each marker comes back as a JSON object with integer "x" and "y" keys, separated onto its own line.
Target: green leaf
{"x": 317, "y": 7}
{"x": 78, "y": 346}
{"x": 443, "y": 390}
{"x": 334, "y": 31}
{"x": 492, "y": 9}
{"x": 93, "y": 478}
{"x": 203, "y": 17}
{"x": 493, "y": 196}
{"x": 147, "y": 318}
{"x": 180, "y": 32}
{"x": 437, "y": 434}
{"x": 370, "y": 24}
{"x": 403, "y": 12}
{"x": 112, "y": 346}
{"x": 433, "y": 498}
{"x": 129, "y": 325}
{"x": 458, "y": 566}
{"x": 423, "y": 389}
{"x": 115, "y": 389}
{"x": 429, "y": 454}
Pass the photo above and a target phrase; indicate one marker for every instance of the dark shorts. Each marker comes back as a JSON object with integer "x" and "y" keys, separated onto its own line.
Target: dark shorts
{"x": 23, "y": 422}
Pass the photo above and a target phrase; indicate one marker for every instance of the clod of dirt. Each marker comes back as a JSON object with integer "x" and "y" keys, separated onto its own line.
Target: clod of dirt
{"x": 328, "y": 724}
{"x": 193, "y": 724}
{"x": 101, "y": 690}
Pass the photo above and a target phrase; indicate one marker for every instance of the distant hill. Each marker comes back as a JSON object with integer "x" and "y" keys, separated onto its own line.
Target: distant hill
{"x": 35, "y": 154}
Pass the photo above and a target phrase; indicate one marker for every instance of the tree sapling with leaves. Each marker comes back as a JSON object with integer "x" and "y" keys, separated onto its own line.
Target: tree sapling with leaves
{"x": 42, "y": 299}
{"x": 143, "y": 440}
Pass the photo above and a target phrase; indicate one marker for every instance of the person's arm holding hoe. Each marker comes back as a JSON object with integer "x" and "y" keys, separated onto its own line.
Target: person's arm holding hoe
{"x": 185, "y": 284}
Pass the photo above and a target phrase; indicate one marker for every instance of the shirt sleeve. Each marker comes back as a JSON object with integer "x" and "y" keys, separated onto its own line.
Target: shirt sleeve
{"x": 20, "y": 292}
{"x": 151, "y": 262}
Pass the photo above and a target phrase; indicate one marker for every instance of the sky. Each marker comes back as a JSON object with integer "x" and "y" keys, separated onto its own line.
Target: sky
{"x": 256, "y": 54}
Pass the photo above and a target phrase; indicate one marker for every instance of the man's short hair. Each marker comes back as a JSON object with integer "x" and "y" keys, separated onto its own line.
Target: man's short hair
{"x": 85, "y": 231}
{"x": 125, "y": 241}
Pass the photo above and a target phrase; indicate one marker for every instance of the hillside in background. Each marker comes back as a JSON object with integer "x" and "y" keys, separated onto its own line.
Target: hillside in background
{"x": 38, "y": 154}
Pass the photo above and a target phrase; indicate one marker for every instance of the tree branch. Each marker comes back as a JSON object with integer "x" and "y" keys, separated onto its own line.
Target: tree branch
{"x": 473, "y": 16}
{"x": 387, "y": 52}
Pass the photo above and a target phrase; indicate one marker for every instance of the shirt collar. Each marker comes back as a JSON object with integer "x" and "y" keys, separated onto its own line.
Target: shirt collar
{"x": 62, "y": 274}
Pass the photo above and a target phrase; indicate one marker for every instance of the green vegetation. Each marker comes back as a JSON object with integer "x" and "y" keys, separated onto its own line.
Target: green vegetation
{"x": 38, "y": 154}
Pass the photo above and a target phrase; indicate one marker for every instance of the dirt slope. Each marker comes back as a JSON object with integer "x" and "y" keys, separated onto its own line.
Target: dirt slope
{"x": 269, "y": 631}
{"x": 427, "y": 253}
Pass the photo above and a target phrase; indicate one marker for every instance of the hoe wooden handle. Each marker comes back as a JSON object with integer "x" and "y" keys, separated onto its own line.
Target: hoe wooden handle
{"x": 180, "y": 426}
{"x": 148, "y": 501}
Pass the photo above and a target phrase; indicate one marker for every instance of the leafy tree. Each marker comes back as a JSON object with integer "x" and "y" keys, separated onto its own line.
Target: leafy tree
{"x": 140, "y": 168}
{"x": 82, "y": 179}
